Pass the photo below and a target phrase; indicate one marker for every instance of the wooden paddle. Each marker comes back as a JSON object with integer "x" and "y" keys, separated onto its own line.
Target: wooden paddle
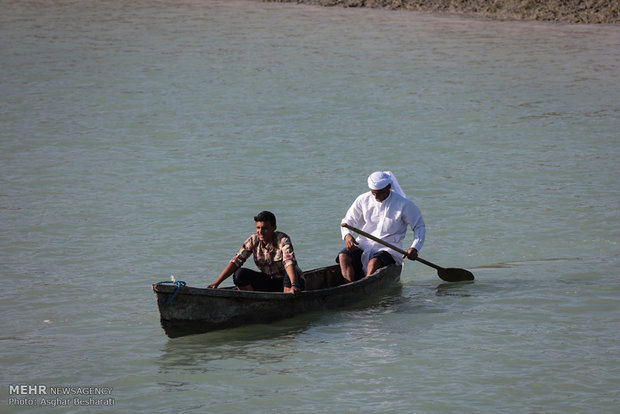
{"x": 446, "y": 274}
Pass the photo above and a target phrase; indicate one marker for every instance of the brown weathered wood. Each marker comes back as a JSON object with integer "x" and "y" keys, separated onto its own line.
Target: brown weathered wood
{"x": 197, "y": 310}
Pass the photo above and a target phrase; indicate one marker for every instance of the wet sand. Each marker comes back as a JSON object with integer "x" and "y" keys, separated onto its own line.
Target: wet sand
{"x": 567, "y": 11}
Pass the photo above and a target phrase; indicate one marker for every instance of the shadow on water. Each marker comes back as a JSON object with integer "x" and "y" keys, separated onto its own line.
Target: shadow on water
{"x": 253, "y": 344}
{"x": 423, "y": 297}
{"x": 507, "y": 265}
{"x": 454, "y": 289}
{"x": 200, "y": 352}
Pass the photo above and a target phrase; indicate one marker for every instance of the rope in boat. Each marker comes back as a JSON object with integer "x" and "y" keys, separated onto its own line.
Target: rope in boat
{"x": 179, "y": 284}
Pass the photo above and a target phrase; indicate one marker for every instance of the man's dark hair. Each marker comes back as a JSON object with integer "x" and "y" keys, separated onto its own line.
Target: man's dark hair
{"x": 266, "y": 216}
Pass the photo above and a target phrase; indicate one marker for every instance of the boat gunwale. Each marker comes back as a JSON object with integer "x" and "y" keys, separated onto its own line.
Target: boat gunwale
{"x": 230, "y": 292}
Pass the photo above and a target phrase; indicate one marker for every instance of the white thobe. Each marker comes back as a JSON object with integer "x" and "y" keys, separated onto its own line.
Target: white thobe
{"x": 387, "y": 220}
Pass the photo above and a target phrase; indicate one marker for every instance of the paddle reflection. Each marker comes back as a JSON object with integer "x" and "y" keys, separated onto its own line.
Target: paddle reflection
{"x": 454, "y": 289}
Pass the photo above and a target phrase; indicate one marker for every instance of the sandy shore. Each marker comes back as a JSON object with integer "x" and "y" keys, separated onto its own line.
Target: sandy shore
{"x": 568, "y": 11}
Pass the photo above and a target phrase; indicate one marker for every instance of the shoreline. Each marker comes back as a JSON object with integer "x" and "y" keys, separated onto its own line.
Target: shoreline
{"x": 564, "y": 11}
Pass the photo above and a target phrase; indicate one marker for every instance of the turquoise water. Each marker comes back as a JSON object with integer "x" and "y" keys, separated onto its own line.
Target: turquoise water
{"x": 139, "y": 138}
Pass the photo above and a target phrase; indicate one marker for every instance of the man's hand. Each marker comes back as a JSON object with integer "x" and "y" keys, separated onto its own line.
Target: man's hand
{"x": 412, "y": 254}
{"x": 293, "y": 289}
{"x": 350, "y": 243}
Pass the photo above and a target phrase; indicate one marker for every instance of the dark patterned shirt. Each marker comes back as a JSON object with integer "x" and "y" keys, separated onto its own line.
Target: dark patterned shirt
{"x": 271, "y": 258}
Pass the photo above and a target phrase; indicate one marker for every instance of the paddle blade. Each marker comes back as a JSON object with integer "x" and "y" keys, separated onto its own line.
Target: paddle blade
{"x": 455, "y": 275}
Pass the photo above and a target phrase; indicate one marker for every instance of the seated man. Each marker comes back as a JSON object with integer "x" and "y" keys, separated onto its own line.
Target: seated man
{"x": 384, "y": 212}
{"x": 273, "y": 255}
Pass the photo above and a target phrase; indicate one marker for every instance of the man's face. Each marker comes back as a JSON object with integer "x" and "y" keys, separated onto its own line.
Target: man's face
{"x": 382, "y": 194}
{"x": 265, "y": 231}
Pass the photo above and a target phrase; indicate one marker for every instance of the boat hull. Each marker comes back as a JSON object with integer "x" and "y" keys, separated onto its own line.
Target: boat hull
{"x": 188, "y": 310}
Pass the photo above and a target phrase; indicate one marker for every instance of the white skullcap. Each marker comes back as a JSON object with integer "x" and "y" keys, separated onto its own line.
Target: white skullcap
{"x": 381, "y": 179}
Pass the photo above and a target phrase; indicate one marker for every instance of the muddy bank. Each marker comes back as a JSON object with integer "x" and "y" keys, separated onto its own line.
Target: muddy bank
{"x": 569, "y": 11}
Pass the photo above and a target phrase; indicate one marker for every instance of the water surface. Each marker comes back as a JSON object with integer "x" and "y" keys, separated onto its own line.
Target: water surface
{"x": 140, "y": 137}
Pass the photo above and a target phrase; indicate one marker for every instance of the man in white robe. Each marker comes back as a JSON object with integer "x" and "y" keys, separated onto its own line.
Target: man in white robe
{"x": 384, "y": 212}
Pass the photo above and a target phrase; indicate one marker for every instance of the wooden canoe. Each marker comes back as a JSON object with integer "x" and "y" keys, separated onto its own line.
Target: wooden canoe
{"x": 187, "y": 310}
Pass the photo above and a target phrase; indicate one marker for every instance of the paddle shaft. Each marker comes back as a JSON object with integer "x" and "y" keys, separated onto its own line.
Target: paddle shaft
{"x": 391, "y": 246}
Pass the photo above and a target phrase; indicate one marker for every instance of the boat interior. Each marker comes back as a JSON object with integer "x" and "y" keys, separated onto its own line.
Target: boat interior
{"x": 323, "y": 278}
